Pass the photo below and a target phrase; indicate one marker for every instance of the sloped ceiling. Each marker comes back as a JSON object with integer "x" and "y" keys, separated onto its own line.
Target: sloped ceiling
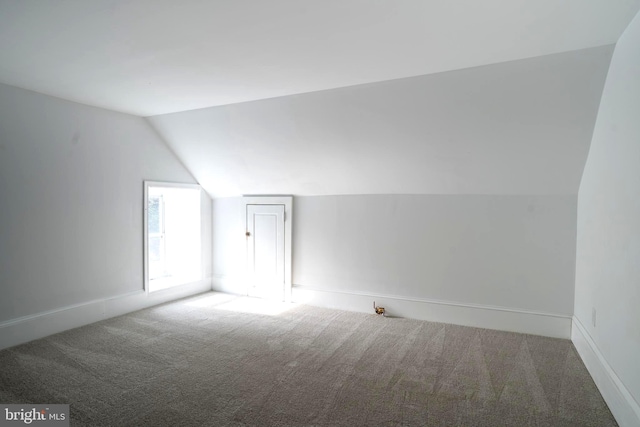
{"x": 149, "y": 57}
{"x": 519, "y": 127}
{"x": 336, "y": 96}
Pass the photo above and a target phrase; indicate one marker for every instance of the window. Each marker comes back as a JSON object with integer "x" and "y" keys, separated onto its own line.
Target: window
{"x": 172, "y": 246}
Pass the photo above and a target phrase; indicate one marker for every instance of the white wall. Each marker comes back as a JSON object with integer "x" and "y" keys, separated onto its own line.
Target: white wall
{"x": 229, "y": 244}
{"x": 71, "y": 191}
{"x": 520, "y": 127}
{"x": 515, "y": 252}
{"x": 448, "y": 197}
{"x": 492, "y": 252}
{"x": 608, "y": 231}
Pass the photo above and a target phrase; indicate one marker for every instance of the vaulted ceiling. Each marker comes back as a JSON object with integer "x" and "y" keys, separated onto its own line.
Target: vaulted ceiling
{"x": 337, "y": 96}
{"x": 519, "y": 127}
{"x": 149, "y": 57}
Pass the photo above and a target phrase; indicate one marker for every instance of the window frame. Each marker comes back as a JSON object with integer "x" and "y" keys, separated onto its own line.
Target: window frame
{"x": 161, "y": 229}
{"x": 145, "y": 243}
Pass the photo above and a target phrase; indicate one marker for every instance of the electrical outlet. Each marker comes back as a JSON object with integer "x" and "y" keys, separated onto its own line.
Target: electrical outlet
{"x": 593, "y": 316}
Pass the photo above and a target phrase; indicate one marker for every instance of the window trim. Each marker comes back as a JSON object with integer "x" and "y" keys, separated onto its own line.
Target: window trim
{"x": 145, "y": 226}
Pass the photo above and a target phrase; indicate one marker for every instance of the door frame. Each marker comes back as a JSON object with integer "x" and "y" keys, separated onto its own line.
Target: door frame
{"x": 287, "y": 201}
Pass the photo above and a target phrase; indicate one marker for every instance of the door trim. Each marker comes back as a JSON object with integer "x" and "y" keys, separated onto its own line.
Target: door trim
{"x": 287, "y": 201}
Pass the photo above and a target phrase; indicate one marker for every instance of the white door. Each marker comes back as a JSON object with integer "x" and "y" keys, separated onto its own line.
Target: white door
{"x": 266, "y": 251}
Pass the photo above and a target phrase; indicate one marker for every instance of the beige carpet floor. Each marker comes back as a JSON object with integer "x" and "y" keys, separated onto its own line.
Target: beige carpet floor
{"x": 218, "y": 360}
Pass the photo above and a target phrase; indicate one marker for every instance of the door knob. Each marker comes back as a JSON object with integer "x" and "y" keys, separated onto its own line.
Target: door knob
{"x": 247, "y": 234}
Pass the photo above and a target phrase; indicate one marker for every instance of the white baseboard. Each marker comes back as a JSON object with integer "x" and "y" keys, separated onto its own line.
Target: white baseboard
{"x": 500, "y": 318}
{"x": 621, "y": 403}
{"x": 39, "y": 325}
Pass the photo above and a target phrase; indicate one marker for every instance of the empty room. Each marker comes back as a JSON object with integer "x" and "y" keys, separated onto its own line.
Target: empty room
{"x": 320, "y": 213}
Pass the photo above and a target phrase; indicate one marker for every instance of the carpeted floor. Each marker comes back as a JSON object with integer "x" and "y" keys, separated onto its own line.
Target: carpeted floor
{"x": 218, "y": 360}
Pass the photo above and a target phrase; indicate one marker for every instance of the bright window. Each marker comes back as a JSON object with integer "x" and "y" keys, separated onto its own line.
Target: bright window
{"x": 172, "y": 235}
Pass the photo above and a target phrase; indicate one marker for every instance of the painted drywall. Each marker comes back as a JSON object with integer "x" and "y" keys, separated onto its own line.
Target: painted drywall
{"x": 229, "y": 243}
{"x": 608, "y": 248}
{"x": 504, "y": 251}
{"x": 515, "y": 252}
{"x": 449, "y": 190}
{"x": 520, "y": 127}
{"x": 71, "y": 191}
{"x": 149, "y": 57}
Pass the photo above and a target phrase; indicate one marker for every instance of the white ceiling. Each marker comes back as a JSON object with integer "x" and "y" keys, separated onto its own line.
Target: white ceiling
{"x": 149, "y": 57}
{"x": 515, "y": 128}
